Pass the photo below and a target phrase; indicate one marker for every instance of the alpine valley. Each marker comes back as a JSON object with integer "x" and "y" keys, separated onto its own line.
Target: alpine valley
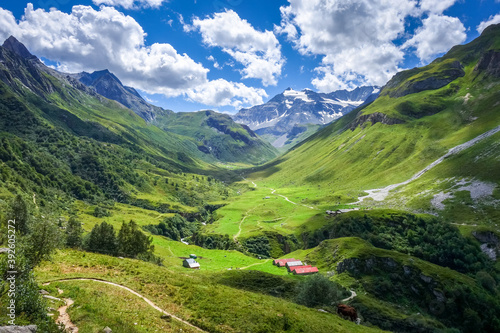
{"x": 392, "y": 193}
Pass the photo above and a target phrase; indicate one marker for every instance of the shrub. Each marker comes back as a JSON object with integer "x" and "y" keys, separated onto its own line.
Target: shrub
{"x": 317, "y": 290}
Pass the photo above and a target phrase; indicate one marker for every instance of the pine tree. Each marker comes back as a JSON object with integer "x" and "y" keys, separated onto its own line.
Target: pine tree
{"x": 132, "y": 241}
{"x": 43, "y": 239}
{"x": 19, "y": 212}
{"x": 74, "y": 233}
{"x": 102, "y": 239}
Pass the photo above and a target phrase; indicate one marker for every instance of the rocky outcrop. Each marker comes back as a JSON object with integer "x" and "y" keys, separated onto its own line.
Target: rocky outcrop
{"x": 397, "y": 87}
{"x": 18, "y": 329}
{"x": 15, "y": 46}
{"x": 490, "y": 243}
{"x": 108, "y": 85}
{"x": 22, "y": 73}
{"x": 489, "y": 63}
{"x": 374, "y": 118}
{"x": 277, "y": 118}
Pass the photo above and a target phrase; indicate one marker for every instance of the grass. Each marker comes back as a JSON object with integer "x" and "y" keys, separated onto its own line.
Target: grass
{"x": 195, "y": 297}
{"x": 97, "y": 306}
{"x": 258, "y": 210}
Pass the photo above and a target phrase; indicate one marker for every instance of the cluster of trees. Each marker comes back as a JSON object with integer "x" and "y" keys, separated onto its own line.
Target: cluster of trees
{"x": 317, "y": 290}
{"x": 130, "y": 242}
{"x": 455, "y": 303}
{"x": 175, "y": 227}
{"x": 258, "y": 245}
{"x": 213, "y": 241}
{"x": 427, "y": 238}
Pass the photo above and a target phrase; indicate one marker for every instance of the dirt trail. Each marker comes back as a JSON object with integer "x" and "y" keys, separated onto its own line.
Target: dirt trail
{"x": 154, "y": 306}
{"x": 235, "y": 237}
{"x": 290, "y": 201}
{"x": 380, "y": 194}
{"x": 257, "y": 263}
{"x": 284, "y": 197}
{"x": 353, "y": 294}
{"x": 64, "y": 317}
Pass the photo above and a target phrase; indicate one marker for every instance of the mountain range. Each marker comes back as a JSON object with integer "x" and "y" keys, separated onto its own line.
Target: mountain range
{"x": 220, "y": 134}
{"x": 294, "y": 114}
{"x": 396, "y": 202}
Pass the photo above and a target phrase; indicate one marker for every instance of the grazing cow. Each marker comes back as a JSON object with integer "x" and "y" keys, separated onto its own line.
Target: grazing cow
{"x": 347, "y": 311}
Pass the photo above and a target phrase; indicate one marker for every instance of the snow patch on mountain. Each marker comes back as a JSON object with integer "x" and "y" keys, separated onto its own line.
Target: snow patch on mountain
{"x": 279, "y": 115}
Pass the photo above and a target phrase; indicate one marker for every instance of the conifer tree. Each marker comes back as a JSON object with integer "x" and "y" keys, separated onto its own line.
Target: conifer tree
{"x": 74, "y": 233}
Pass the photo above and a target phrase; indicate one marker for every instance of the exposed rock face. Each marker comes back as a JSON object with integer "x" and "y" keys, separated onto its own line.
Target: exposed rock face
{"x": 285, "y": 111}
{"x": 490, "y": 243}
{"x": 489, "y": 63}
{"x": 18, "y": 329}
{"x": 366, "y": 266}
{"x": 15, "y": 46}
{"x": 21, "y": 72}
{"x": 486, "y": 237}
{"x": 374, "y": 118}
{"x": 108, "y": 85}
{"x": 437, "y": 80}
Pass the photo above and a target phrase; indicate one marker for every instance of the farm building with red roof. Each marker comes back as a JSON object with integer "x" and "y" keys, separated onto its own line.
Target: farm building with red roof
{"x": 305, "y": 270}
{"x": 282, "y": 262}
{"x": 291, "y": 269}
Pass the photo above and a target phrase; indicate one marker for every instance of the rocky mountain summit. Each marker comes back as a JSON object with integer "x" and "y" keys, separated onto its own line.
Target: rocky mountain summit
{"x": 282, "y": 118}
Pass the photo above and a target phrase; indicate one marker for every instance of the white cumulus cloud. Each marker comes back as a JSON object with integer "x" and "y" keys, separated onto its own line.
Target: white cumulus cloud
{"x": 437, "y": 35}
{"x": 355, "y": 38}
{"x": 258, "y": 51}
{"x": 131, "y": 4}
{"x": 360, "y": 40}
{"x": 491, "y": 20}
{"x": 221, "y": 92}
{"x": 436, "y": 7}
{"x": 89, "y": 39}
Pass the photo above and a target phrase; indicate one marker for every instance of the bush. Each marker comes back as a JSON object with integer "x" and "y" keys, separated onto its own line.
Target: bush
{"x": 317, "y": 290}
{"x": 101, "y": 212}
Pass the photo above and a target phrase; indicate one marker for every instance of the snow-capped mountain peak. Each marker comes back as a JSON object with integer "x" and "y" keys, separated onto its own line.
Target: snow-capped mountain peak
{"x": 278, "y": 117}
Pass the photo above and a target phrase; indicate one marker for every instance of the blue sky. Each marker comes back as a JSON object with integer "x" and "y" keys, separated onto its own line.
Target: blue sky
{"x": 188, "y": 55}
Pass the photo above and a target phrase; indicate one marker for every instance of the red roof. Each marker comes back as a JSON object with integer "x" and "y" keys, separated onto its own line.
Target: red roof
{"x": 295, "y": 267}
{"x": 282, "y": 262}
{"x": 305, "y": 270}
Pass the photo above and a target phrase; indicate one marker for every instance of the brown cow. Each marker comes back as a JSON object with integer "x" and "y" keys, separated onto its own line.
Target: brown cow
{"x": 347, "y": 311}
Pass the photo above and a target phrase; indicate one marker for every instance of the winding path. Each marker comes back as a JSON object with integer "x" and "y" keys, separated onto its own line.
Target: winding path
{"x": 286, "y": 198}
{"x": 353, "y": 294}
{"x": 257, "y": 263}
{"x": 153, "y": 305}
{"x": 235, "y": 237}
{"x": 380, "y": 194}
{"x": 64, "y": 317}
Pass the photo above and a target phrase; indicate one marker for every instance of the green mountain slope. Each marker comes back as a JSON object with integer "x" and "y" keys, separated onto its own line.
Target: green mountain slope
{"x": 419, "y": 116}
{"x": 402, "y": 293}
{"x": 61, "y": 141}
{"x": 218, "y": 136}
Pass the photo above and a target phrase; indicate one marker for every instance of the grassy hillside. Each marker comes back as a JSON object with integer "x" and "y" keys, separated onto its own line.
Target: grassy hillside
{"x": 218, "y": 136}
{"x": 192, "y": 295}
{"x": 403, "y": 293}
{"x": 420, "y": 115}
